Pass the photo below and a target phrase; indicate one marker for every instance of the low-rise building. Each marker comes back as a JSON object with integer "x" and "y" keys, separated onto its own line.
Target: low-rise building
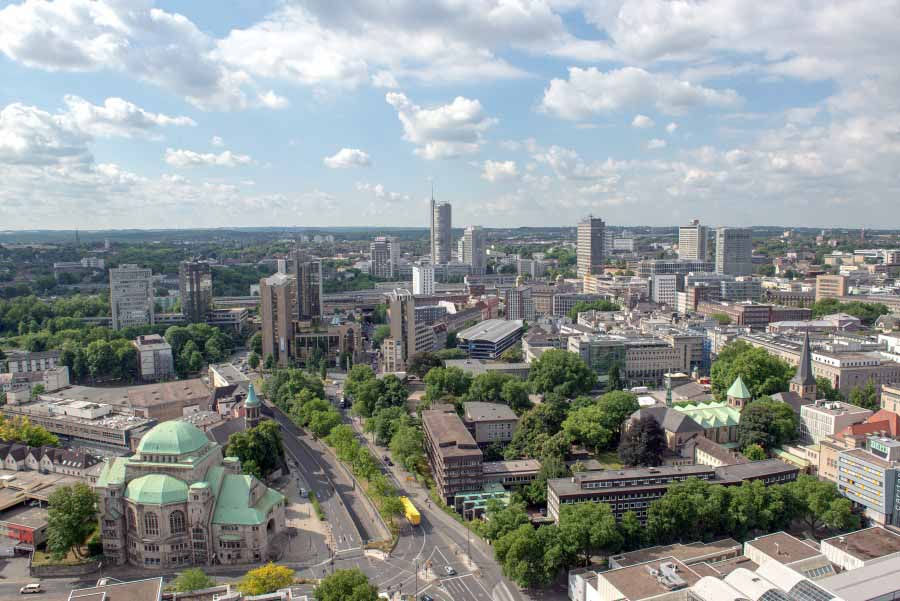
{"x": 823, "y": 418}
{"x": 864, "y": 547}
{"x": 801, "y": 556}
{"x": 490, "y": 422}
{"x": 488, "y": 339}
{"x": 26, "y": 362}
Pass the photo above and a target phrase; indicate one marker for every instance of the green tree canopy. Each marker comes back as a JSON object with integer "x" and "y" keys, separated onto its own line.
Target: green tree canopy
{"x": 584, "y": 306}
{"x": 266, "y": 579}
{"x": 755, "y": 452}
{"x": 643, "y": 443}
{"x": 346, "y": 585}
{"x": 421, "y": 363}
{"x": 586, "y": 529}
{"x": 562, "y": 373}
{"x": 71, "y": 517}
{"x": 865, "y": 396}
{"x": 764, "y": 374}
{"x": 260, "y": 449}
{"x": 767, "y": 423}
{"x": 192, "y": 579}
{"x": 443, "y": 381}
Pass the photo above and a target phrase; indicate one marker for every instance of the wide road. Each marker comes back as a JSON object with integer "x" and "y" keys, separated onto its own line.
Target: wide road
{"x": 330, "y": 484}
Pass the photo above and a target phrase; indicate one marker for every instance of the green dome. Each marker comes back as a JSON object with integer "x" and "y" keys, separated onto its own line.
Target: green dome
{"x": 157, "y": 489}
{"x": 252, "y": 399}
{"x": 172, "y": 438}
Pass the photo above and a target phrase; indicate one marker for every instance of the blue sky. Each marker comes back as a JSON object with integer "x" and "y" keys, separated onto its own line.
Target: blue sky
{"x": 133, "y": 113}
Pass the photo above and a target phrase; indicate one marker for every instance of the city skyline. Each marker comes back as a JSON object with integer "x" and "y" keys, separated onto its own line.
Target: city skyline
{"x": 148, "y": 114}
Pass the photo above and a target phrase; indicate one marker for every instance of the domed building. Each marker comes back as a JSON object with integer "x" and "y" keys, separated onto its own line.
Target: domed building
{"x": 179, "y": 502}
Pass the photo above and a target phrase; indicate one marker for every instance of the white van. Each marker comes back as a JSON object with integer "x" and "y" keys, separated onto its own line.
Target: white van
{"x": 34, "y": 587}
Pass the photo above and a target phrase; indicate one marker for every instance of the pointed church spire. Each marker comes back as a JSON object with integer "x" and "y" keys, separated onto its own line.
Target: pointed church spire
{"x": 804, "y": 375}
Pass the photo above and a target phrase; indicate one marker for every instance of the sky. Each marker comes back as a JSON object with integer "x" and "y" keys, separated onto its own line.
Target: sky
{"x": 143, "y": 114}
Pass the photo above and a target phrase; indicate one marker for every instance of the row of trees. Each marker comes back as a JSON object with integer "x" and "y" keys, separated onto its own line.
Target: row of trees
{"x": 20, "y": 429}
{"x": 689, "y": 511}
{"x": 584, "y": 306}
{"x": 453, "y": 385}
{"x": 371, "y": 394}
{"x": 866, "y": 312}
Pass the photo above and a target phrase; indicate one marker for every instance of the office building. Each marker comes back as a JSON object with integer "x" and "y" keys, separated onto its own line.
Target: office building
{"x": 131, "y": 296}
{"x": 195, "y": 286}
{"x": 734, "y": 251}
{"x": 24, "y": 362}
{"x": 692, "y": 241}
{"x": 473, "y": 249}
{"x": 276, "y": 311}
{"x": 308, "y": 282}
{"x": 423, "y": 279}
{"x": 824, "y": 418}
{"x": 869, "y": 477}
{"x": 663, "y": 288}
{"x": 441, "y": 232}
{"x": 831, "y": 286}
{"x": 590, "y": 246}
{"x": 634, "y": 489}
{"x": 455, "y": 458}
{"x": 384, "y": 254}
{"x": 488, "y": 339}
{"x": 650, "y": 267}
{"x": 490, "y": 422}
{"x": 154, "y": 358}
{"x": 519, "y": 302}
{"x": 407, "y": 336}
{"x": 179, "y": 502}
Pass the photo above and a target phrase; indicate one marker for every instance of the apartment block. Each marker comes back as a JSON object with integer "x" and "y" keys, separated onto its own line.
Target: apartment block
{"x": 131, "y": 296}
{"x": 590, "y": 257}
{"x": 154, "y": 358}
{"x": 455, "y": 458}
{"x": 831, "y": 286}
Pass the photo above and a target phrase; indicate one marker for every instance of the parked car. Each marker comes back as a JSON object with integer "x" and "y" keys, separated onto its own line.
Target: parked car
{"x": 387, "y": 460}
{"x": 449, "y": 571}
{"x": 34, "y": 587}
{"x": 426, "y": 597}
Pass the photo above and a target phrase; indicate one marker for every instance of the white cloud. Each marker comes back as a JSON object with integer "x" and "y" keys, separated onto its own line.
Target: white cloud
{"x": 444, "y": 131}
{"x": 671, "y": 127}
{"x": 494, "y": 171}
{"x": 30, "y": 136}
{"x": 379, "y": 192}
{"x": 273, "y": 101}
{"x": 117, "y": 117}
{"x": 182, "y": 158}
{"x": 346, "y": 158}
{"x": 589, "y": 92}
{"x": 384, "y": 79}
{"x": 642, "y": 122}
{"x": 217, "y": 141}
{"x": 656, "y": 144}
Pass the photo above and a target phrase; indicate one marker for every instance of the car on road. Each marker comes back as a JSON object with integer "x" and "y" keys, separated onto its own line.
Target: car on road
{"x": 34, "y": 587}
{"x": 303, "y": 493}
{"x": 426, "y": 597}
{"x": 449, "y": 571}
{"x": 387, "y": 460}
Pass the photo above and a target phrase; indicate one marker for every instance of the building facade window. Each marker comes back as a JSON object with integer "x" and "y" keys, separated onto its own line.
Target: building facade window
{"x": 176, "y": 522}
{"x": 151, "y": 524}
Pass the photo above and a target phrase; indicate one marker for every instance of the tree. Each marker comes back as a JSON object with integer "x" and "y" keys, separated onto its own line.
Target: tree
{"x": 266, "y": 579}
{"x": 632, "y": 531}
{"x": 71, "y": 518}
{"x": 723, "y": 319}
{"x": 535, "y": 429}
{"x": 450, "y": 353}
{"x": 380, "y": 333}
{"x": 321, "y": 423}
{"x": 552, "y": 466}
{"x": 357, "y": 375}
{"x": 406, "y": 447}
{"x": 502, "y": 520}
{"x": 421, "y": 363}
{"x": 515, "y": 394}
{"x": 512, "y": 355}
{"x": 617, "y": 407}
{"x": 865, "y": 396}
{"x": 767, "y": 423}
{"x": 614, "y": 382}
{"x": 764, "y": 374}
{"x": 260, "y": 449}
{"x": 526, "y": 555}
{"x": 584, "y": 306}
{"x": 824, "y": 390}
{"x": 20, "y": 429}
{"x": 488, "y": 387}
{"x": 643, "y": 443}
{"x": 562, "y": 373}
{"x": 754, "y": 452}
{"x": 192, "y": 579}
{"x": 587, "y": 426}
{"x": 819, "y": 504}
{"x": 346, "y": 585}
{"x": 37, "y": 390}
{"x": 385, "y": 423}
{"x": 253, "y": 360}
{"x": 256, "y": 343}
{"x": 586, "y": 529}
{"x": 270, "y": 362}
{"x": 442, "y": 381}
{"x": 689, "y": 511}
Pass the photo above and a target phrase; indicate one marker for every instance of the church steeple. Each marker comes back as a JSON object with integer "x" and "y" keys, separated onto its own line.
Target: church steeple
{"x": 251, "y": 408}
{"x": 804, "y": 381}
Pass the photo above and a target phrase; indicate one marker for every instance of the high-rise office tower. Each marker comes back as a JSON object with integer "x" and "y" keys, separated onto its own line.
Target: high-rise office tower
{"x": 195, "y": 285}
{"x": 473, "y": 249}
{"x": 692, "y": 241}
{"x": 734, "y": 251}
{"x": 423, "y": 279}
{"x": 131, "y": 296}
{"x": 590, "y": 246}
{"x": 441, "y": 232}
{"x": 402, "y": 317}
{"x": 276, "y": 310}
{"x": 384, "y": 254}
{"x": 308, "y": 276}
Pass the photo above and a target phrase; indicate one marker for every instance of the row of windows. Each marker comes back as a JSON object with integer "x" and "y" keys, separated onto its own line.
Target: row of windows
{"x": 177, "y": 522}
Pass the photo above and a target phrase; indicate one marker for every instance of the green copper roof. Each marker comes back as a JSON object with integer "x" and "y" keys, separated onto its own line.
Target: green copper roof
{"x": 157, "y": 489}
{"x": 252, "y": 399}
{"x": 113, "y": 472}
{"x": 739, "y": 390}
{"x": 711, "y": 415}
{"x": 233, "y": 502}
{"x": 173, "y": 438}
